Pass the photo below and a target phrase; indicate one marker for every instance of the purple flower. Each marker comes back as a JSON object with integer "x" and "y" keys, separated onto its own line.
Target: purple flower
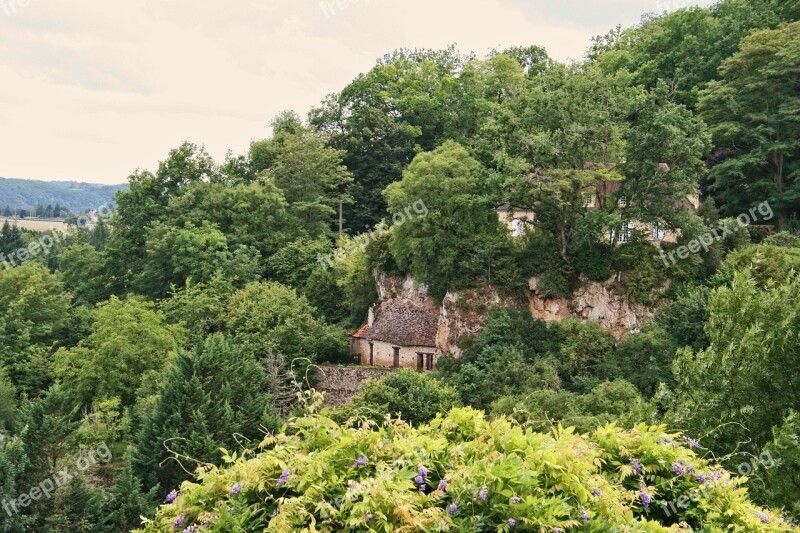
{"x": 484, "y": 493}
{"x": 558, "y": 530}
{"x": 452, "y": 509}
{"x": 764, "y": 518}
{"x": 367, "y": 517}
{"x": 596, "y": 492}
{"x": 179, "y": 522}
{"x": 276, "y": 512}
{"x": 701, "y": 478}
{"x": 690, "y": 442}
{"x": 512, "y": 522}
{"x": 442, "y": 485}
{"x": 584, "y": 515}
{"x": 645, "y": 497}
{"x": 637, "y": 466}
{"x": 361, "y": 461}
{"x": 677, "y": 467}
{"x": 423, "y": 471}
{"x": 171, "y": 497}
{"x": 516, "y": 499}
{"x": 236, "y": 489}
{"x": 284, "y": 477}
{"x": 191, "y": 529}
{"x": 419, "y": 480}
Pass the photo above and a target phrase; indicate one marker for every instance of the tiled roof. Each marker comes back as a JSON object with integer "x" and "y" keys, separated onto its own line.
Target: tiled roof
{"x": 402, "y": 323}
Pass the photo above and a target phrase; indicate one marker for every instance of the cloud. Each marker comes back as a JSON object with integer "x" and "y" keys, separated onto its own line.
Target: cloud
{"x": 93, "y": 90}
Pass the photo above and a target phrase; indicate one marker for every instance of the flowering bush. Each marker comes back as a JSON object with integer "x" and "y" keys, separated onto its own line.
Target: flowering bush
{"x": 461, "y": 472}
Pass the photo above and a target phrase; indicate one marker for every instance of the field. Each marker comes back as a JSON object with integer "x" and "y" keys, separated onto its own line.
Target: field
{"x": 36, "y": 225}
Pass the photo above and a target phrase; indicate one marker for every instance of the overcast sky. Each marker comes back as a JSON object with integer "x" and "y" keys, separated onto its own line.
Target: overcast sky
{"x": 90, "y": 90}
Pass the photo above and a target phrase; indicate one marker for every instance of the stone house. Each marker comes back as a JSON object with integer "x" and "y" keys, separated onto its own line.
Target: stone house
{"x": 398, "y": 333}
{"x": 518, "y": 218}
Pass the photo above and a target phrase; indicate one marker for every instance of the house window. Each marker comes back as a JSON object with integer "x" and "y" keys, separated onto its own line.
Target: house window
{"x": 517, "y": 227}
{"x": 396, "y": 362}
{"x": 587, "y": 200}
{"x": 623, "y": 234}
{"x": 623, "y": 202}
{"x": 659, "y": 233}
{"x": 420, "y": 357}
{"x": 429, "y": 361}
{"x": 371, "y": 353}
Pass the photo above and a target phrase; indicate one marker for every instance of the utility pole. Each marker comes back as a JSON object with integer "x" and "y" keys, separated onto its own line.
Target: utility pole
{"x": 340, "y": 218}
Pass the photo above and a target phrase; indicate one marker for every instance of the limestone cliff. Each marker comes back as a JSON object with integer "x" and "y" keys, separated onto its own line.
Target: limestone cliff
{"x": 463, "y": 313}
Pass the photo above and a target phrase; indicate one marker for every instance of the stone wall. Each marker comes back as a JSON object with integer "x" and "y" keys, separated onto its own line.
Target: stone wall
{"x": 341, "y": 383}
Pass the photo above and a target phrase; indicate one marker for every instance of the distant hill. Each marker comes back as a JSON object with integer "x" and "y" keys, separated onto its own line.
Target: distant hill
{"x": 76, "y": 196}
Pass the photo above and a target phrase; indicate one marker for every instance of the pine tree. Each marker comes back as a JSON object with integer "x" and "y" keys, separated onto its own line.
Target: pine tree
{"x": 127, "y": 503}
{"x": 212, "y": 398}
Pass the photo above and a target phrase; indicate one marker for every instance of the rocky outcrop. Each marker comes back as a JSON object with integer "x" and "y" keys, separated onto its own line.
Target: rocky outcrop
{"x": 600, "y": 302}
{"x": 464, "y": 313}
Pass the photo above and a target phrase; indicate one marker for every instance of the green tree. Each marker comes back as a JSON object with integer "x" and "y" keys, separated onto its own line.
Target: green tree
{"x": 417, "y": 397}
{"x": 33, "y": 312}
{"x": 437, "y": 248}
{"x": 128, "y": 339}
{"x": 753, "y": 109}
{"x": 270, "y": 320}
{"x": 224, "y": 389}
{"x": 8, "y": 401}
{"x": 753, "y": 338}
{"x": 645, "y": 359}
{"x": 585, "y": 350}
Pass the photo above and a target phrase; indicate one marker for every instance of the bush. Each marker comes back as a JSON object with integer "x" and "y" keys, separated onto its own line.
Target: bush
{"x": 462, "y": 473}
{"x": 417, "y": 397}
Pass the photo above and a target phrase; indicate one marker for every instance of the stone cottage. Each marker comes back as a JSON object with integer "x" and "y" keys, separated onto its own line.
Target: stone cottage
{"x": 398, "y": 333}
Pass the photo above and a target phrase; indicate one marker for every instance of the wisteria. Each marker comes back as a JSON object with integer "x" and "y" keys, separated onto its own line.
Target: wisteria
{"x": 442, "y": 485}
{"x": 484, "y": 493}
{"x": 512, "y": 522}
{"x": 452, "y": 509}
{"x": 179, "y": 522}
{"x": 236, "y": 489}
{"x": 361, "y": 461}
{"x": 284, "y": 478}
{"x": 764, "y": 518}
{"x": 584, "y": 515}
{"x": 171, "y": 497}
{"x": 637, "y": 466}
{"x": 644, "y": 496}
{"x": 516, "y": 499}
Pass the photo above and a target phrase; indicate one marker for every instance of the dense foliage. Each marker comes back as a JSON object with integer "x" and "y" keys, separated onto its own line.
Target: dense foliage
{"x": 185, "y": 326}
{"x": 463, "y": 473}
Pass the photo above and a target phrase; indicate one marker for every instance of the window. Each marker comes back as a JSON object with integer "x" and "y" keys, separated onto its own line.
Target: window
{"x": 396, "y": 362}
{"x": 624, "y": 232}
{"x": 659, "y": 233}
{"x": 517, "y": 227}
{"x": 588, "y": 201}
{"x": 623, "y": 202}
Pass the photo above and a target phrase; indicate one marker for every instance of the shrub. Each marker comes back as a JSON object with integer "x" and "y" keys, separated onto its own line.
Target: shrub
{"x": 462, "y": 473}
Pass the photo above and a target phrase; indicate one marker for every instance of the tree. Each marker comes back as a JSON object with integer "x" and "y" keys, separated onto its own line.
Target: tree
{"x": 312, "y": 178}
{"x": 82, "y": 268}
{"x": 753, "y": 338}
{"x": 34, "y": 309}
{"x": 645, "y": 359}
{"x": 8, "y": 402}
{"x": 270, "y": 320}
{"x": 128, "y": 339}
{"x": 10, "y": 240}
{"x": 585, "y": 350}
{"x": 663, "y": 160}
{"x": 436, "y": 248}
{"x": 416, "y": 397}
{"x": 223, "y": 388}
{"x": 126, "y": 503}
{"x": 13, "y": 479}
{"x": 753, "y": 108}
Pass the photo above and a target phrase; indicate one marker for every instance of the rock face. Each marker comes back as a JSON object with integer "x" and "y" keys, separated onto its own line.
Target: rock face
{"x": 463, "y": 313}
{"x": 591, "y": 301}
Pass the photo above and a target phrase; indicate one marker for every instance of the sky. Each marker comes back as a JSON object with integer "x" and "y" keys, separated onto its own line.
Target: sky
{"x": 91, "y": 91}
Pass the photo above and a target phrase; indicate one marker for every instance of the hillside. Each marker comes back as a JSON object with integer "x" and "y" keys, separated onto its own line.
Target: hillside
{"x": 77, "y": 196}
